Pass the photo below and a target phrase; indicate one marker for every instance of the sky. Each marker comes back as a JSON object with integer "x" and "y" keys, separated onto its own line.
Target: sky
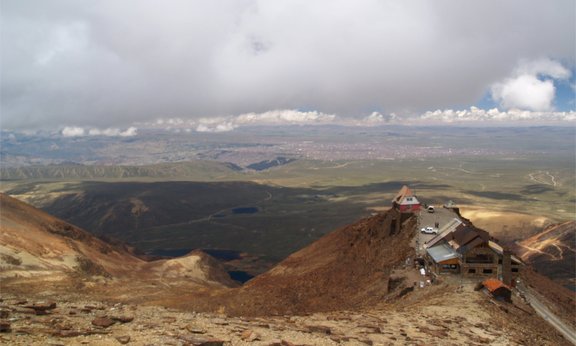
{"x": 108, "y": 67}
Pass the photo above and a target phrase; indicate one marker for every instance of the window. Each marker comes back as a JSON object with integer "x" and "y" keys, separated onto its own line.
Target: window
{"x": 471, "y": 271}
{"x": 486, "y": 271}
{"x": 480, "y": 258}
{"x": 514, "y": 270}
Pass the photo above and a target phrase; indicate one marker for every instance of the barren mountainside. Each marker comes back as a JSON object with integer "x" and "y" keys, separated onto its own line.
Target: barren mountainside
{"x": 342, "y": 289}
{"x": 552, "y": 252}
{"x": 34, "y": 244}
{"x": 349, "y": 268}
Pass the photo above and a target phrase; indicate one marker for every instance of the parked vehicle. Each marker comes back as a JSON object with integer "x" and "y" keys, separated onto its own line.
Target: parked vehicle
{"x": 429, "y": 230}
{"x": 430, "y": 208}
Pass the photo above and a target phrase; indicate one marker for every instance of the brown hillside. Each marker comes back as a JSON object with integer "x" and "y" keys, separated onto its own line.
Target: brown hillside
{"x": 36, "y": 243}
{"x": 346, "y": 269}
{"x": 37, "y": 248}
{"x": 552, "y": 252}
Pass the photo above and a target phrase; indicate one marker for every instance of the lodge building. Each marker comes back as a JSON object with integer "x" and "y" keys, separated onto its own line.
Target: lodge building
{"x": 461, "y": 248}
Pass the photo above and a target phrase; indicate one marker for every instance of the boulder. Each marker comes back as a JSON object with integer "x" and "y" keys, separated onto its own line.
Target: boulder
{"x": 320, "y": 329}
{"x": 249, "y": 335}
{"x": 124, "y": 339}
{"x": 122, "y": 318}
{"x": 4, "y": 326}
{"x": 42, "y": 306}
{"x": 103, "y": 322}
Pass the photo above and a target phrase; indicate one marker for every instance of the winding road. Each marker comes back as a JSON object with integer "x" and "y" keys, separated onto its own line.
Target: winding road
{"x": 547, "y": 315}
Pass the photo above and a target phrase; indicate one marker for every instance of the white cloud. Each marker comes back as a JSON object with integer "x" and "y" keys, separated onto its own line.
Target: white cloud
{"x": 129, "y": 132}
{"x": 224, "y": 127}
{"x": 545, "y": 67}
{"x": 229, "y": 123}
{"x": 74, "y": 131}
{"x": 110, "y": 63}
{"x": 311, "y": 118}
{"x": 284, "y": 116}
{"x": 495, "y": 116}
{"x": 530, "y": 87}
{"x": 219, "y": 124}
{"x": 375, "y": 117}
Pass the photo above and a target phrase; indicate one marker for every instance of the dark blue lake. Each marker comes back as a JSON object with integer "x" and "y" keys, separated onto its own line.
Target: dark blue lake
{"x": 240, "y": 276}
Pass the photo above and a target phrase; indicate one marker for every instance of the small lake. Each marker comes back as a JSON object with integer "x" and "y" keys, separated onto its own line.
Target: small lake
{"x": 240, "y": 276}
{"x": 222, "y": 255}
{"x": 245, "y": 210}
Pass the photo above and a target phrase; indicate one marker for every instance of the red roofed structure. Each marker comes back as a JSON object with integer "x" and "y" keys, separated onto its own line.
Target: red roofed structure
{"x": 405, "y": 201}
{"x": 498, "y": 289}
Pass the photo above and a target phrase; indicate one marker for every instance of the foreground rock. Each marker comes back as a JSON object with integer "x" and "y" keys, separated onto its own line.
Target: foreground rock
{"x": 443, "y": 314}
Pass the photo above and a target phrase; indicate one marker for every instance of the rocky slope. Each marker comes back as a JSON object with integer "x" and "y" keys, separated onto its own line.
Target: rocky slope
{"x": 552, "y": 252}
{"x": 36, "y": 247}
{"x": 438, "y": 315}
{"x": 349, "y": 268}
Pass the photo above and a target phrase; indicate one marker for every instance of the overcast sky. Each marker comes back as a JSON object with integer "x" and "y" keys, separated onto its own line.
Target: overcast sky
{"x": 116, "y": 63}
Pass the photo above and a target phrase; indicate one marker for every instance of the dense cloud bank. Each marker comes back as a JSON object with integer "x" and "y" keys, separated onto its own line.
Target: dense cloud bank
{"x": 108, "y": 63}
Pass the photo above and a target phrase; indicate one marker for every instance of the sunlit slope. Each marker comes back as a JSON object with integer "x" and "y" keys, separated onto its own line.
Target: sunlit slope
{"x": 552, "y": 252}
{"x": 37, "y": 247}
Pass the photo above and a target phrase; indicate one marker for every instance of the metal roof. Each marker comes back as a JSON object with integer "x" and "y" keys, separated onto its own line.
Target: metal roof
{"x": 444, "y": 231}
{"x": 442, "y": 252}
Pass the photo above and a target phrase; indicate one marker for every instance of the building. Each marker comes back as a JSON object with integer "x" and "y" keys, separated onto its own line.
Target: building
{"x": 498, "y": 289}
{"x": 405, "y": 201}
{"x": 461, "y": 248}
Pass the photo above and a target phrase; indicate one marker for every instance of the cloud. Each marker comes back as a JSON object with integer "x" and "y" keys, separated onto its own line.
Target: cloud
{"x": 494, "y": 115}
{"x": 72, "y": 131}
{"x": 75, "y": 131}
{"x": 229, "y": 123}
{"x": 378, "y": 118}
{"x": 544, "y": 67}
{"x": 215, "y": 125}
{"x": 531, "y": 87}
{"x": 285, "y": 116}
{"x": 110, "y": 63}
{"x": 311, "y": 118}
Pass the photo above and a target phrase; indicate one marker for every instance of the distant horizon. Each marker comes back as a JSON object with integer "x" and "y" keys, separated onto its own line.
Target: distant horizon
{"x": 302, "y": 119}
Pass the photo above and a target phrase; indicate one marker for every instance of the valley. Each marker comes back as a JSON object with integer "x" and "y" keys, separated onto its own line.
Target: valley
{"x": 346, "y": 288}
{"x": 226, "y": 240}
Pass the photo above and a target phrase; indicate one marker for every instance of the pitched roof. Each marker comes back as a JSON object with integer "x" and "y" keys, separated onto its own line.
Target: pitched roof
{"x": 404, "y": 192}
{"x": 444, "y": 231}
{"x": 500, "y": 250}
{"x": 493, "y": 284}
{"x": 469, "y": 236}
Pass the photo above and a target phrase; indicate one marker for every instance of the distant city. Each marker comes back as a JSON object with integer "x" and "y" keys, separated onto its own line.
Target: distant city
{"x": 251, "y": 145}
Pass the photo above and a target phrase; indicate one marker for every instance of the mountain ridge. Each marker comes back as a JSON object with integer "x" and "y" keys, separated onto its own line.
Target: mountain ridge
{"x": 36, "y": 245}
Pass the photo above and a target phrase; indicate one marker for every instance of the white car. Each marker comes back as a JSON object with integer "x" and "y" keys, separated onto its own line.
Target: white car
{"x": 429, "y": 230}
